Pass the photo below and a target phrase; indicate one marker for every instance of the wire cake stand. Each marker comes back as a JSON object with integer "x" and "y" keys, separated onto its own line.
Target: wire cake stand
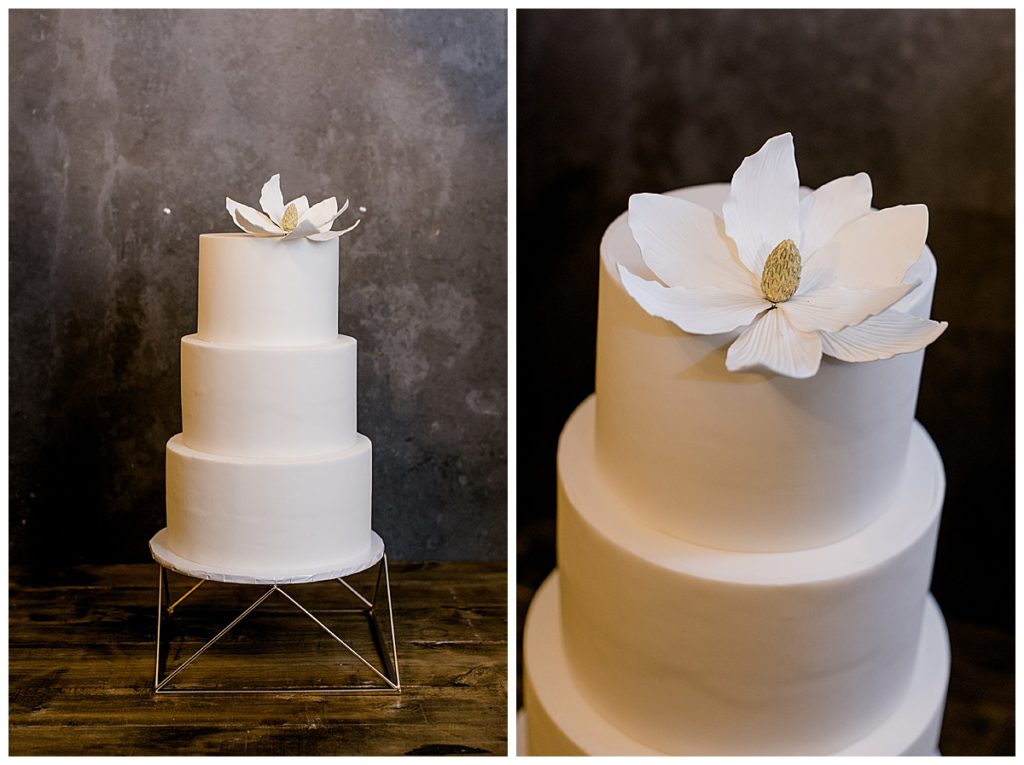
{"x": 381, "y": 626}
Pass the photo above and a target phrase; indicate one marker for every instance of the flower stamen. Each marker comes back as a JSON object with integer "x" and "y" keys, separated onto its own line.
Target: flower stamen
{"x": 290, "y": 219}
{"x": 781, "y": 275}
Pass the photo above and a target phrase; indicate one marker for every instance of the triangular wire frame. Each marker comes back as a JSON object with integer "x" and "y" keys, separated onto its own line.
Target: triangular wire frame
{"x": 376, "y": 609}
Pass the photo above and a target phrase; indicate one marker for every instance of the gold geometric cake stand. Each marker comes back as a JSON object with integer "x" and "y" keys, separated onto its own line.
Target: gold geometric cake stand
{"x": 381, "y": 626}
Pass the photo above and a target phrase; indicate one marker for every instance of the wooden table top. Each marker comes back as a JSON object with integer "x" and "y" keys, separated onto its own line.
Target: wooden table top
{"x": 82, "y": 652}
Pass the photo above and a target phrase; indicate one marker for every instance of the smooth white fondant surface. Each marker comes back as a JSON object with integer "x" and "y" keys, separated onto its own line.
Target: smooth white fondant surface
{"x": 267, "y": 291}
{"x": 342, "y": 567}
{"x": 277, "y": 516}
{"x": 696, "y": 650}
{"x": 561, "y": 720}
{"x": 267, "y": 402}
{"x": 744, "y": 461}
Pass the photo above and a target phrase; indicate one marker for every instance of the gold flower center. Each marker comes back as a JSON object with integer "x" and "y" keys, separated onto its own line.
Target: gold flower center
{"x": 290, "y": 219}
{"x": 781, "y": 274}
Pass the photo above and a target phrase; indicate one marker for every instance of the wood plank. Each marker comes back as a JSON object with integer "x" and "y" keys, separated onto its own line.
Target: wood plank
{"x": 297, "y": 740}
{"x": 82, "y": 646}
{"x": 459, "y": 666}
{"x": 116, "y": 624}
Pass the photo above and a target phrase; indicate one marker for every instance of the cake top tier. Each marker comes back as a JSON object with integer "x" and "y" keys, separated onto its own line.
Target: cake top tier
{"x": 801, "y": 277}
{"x": 288, "y": 221}
{"x": 263, "y": 291}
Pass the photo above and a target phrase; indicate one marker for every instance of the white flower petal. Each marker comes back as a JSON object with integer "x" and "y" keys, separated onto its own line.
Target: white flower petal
{"x": 705, "y": 311}
{"x": 303, "y": 228}
{"x": 833, "y": 308}
{"x": 773, "y": 343}
{"x": 325, "y": 227}
{"x": 251, "y": 221}
{"x": 684, "y": 244}
{"x": 763, "y": 207}
{"x": 322, "y": 213}
{"x": 882, "y": 337}
{"x": 323, "y": 236}
{"x": 301, "y": 205}
{"x": 271, "y": 200}
{"x": 817, "y": 273}
{"x": 875, "y": 250}
{"x": 826, "y": 210}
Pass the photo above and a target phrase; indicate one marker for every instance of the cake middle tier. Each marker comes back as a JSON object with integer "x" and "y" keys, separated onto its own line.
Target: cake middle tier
{"x": 693, "y": 650}
{"x": 267, "y": 402}
{"x": 269, "y": 516}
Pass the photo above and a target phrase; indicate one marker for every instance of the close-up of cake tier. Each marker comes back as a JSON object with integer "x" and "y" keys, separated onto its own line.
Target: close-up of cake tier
{"x": 560, "y": 721}
{"x": 744, "y": 460}
{"x": 692, "y": 650}
{"x": 269, "y": 475}
{"x": 744, "y": 557}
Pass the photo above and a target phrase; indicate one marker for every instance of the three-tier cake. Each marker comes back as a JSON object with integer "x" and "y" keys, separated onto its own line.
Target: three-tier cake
{"x": 747, "y": 509}
{"x": 269, "y": 477}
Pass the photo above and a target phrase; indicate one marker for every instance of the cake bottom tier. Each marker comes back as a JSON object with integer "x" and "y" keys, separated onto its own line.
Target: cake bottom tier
{"x": 269, "y": 517}
{"x": 561, "y": 721}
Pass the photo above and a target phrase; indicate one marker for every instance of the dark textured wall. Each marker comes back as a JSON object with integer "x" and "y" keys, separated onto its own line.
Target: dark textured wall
{"x": 128, "y": 129}
{"x": 611, "y": 103}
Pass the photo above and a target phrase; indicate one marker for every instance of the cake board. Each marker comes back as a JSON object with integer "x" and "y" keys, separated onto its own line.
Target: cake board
{"x": 382, "y": 630}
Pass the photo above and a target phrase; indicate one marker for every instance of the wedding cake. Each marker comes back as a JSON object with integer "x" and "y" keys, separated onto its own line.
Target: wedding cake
{"x": 747, "y": 509}
{"x": 269, "y": 477}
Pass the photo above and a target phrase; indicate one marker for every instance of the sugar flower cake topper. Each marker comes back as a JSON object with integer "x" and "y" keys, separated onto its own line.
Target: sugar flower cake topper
{"x": 288, "y": 221}
{"x": 799, "y": 277}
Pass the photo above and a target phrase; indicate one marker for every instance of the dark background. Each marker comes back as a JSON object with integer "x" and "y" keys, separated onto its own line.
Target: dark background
{"x": 128, "y": 129}
{"x": 616, "y": 102}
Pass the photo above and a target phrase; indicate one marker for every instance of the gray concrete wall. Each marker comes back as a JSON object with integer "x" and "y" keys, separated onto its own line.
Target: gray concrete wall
{"x": 127, "y": 130}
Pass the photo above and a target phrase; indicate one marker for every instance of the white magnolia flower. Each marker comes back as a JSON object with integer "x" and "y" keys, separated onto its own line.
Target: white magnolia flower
{"x": 802, "y": 277}
{"x": 290, "y": 220}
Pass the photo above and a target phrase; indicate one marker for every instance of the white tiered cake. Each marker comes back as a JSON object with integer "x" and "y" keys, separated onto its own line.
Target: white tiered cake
{"x": 269, "y": 477}
{"x": 743, "y": 557}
